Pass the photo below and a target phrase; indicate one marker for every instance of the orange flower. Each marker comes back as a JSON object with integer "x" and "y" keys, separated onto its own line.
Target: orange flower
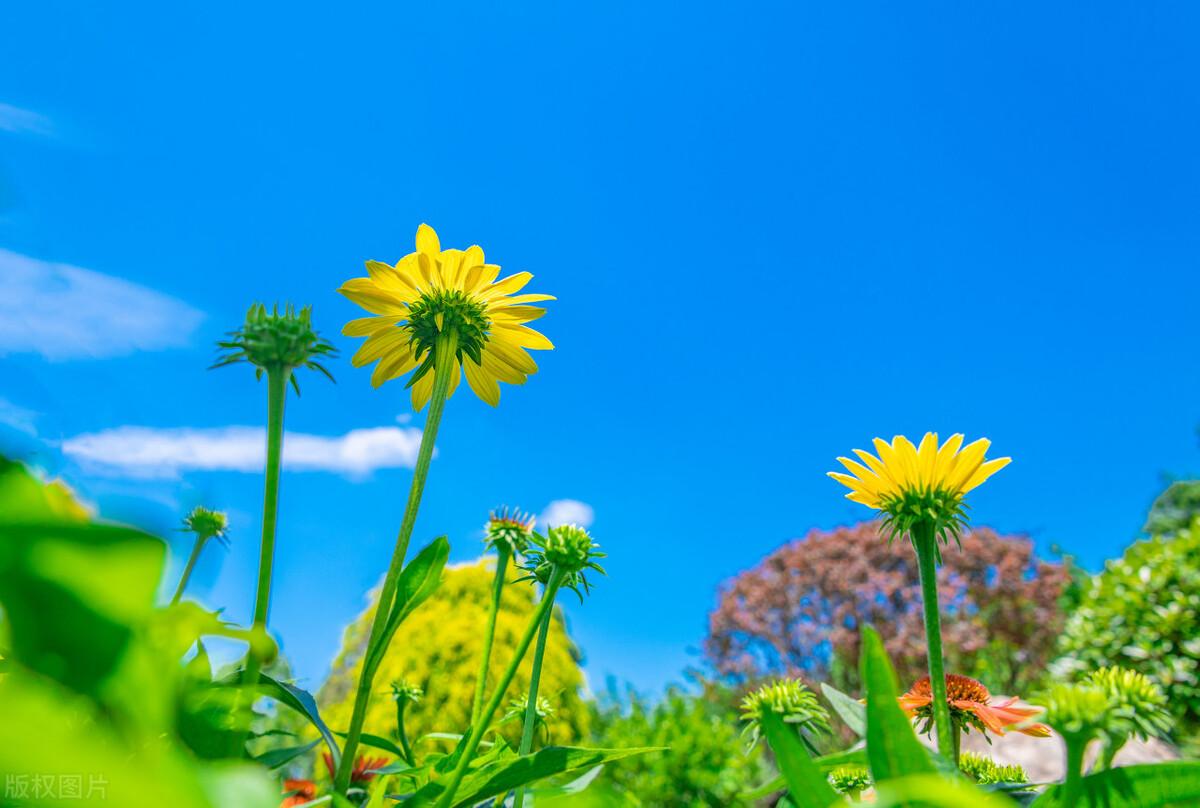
{"x": 299, "y": 792}
{"x": 362, "y": 773}
{"x": 971, "y": 706}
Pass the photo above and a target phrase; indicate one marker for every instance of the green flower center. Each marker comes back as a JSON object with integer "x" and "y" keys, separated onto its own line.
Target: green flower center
{"x": 443, "y": 310}
{"x": 937, "y": 506}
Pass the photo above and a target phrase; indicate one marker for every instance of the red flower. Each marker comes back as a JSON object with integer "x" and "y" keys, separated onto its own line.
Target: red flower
{"x": 971, "y": 705}
{"x": 362, "y": 773}
{"x": 298, "y": 792}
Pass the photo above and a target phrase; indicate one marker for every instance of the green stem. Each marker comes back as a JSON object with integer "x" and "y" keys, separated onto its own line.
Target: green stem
{"x": 480, "y": 726}
{"x": 1073, "y": 786}
{"x": 445, "y": 359}
{"x": 489, "y": 633}
{"x": 277, "y": 381}
{"x": 404, "y": 745}
{"x": 187, "y": 570}
{"x": 531, "y": 705}
{"x": 925, "y": 542}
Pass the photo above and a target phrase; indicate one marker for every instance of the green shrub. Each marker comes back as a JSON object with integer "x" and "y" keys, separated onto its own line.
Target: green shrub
{"x": 1143, "y": 612}
{"x": 707, "y": 762}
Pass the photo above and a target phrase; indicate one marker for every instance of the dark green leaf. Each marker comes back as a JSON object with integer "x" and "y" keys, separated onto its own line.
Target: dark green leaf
{"x": 892, "y": 746}
{"x": 281, "y": 757}
{"x": 806, "y": 783}
{"x": 302, "y": 702}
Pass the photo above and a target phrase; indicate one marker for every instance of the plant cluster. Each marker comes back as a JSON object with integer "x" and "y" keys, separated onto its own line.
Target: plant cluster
{"x": 99, "y": 679}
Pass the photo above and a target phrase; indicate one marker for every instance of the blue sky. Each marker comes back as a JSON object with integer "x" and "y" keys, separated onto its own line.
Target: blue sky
{"x": 775, "y": 231}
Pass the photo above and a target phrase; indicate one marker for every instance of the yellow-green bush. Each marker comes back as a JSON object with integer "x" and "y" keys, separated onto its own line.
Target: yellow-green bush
{"x": 438, "y": 649}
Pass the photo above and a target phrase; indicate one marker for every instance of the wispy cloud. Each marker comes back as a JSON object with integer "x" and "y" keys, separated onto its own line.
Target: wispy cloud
{"x": 23, "y": 121}
{"x": 18, "y": 417}
{"x": 66, "y": 312}
{"x": 567, "y": 512}
{"x": 135, "y": 451}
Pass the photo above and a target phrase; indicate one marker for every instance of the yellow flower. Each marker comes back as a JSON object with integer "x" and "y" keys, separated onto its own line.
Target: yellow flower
{"x": 902, "y": 468}
{"x": 433, "y": 293}
{"x": 910, "y": 483}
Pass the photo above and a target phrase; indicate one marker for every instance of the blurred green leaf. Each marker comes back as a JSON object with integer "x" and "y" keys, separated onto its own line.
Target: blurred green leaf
{"x": 933, "y": 791}
{"x": 500, "y": 777}
{"x": 275, "y": 758}
{"x": 892, "y": 746}
{"x": 1164, "y": 784}
{"x": 807, "y": 785}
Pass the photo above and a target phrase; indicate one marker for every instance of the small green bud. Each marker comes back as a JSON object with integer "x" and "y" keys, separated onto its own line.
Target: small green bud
{"x": 1138, "y": 706}
{"x": 985, "y": 771}
{"x": 509, "y": 529}
{"x": 276, "y": 342}
{"x": 406, "y": 692}
{"x": 850, "y": 780}
{"x": 1076, "y": 709}
{"x": 568, "y": 548}
{"x": 206, "y": 524}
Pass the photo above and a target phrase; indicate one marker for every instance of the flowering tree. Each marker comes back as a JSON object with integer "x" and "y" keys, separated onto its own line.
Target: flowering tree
{"x": 800, "y": 610}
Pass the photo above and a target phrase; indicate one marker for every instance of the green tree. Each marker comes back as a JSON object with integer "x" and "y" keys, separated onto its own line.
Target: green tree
{"x": 438, "y": 649}
{"x": 1174, "y": 509}
{"x": 1143, "y": 612}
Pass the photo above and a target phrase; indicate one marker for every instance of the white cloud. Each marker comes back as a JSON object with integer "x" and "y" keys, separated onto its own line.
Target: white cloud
{"x": 567, "y": 512}
{"x": 17, "y": 120}
{"x": 18, "y": 417}
{"x": 136, "y": 451}
{"x": 66, "y": 312}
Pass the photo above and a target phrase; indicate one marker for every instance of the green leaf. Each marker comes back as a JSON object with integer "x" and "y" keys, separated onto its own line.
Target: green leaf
{"x": 275, "y": 758}
{"x": 851, "y": 710}
{"x": 419, "y": 579}
{"x": 892, "y": 746}
{"x": 302, "y": 702}
{"x": 807, "y": 785}
{"x": 1163, "y": 784}
{"x": 503, "y": 776}
{"x": 932, "y": 791}
{"x": 856, "y": 754}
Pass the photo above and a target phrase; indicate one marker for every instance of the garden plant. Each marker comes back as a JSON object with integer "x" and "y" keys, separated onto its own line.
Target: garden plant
{"x": 106, "y": 681}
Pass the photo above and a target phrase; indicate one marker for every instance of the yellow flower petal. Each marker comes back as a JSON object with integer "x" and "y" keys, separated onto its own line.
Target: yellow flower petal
{"x": 481, "y": 382}
{"x": 373, "y": 297}
{"x": 523, "y": 336}
{"x": 365, "y": 326}
{"x": 984, "y": 471}
{"x": 427, "y": 241}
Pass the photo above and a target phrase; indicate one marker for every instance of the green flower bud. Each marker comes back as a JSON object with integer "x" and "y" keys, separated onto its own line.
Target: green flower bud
{"x": 789, "y": 699}
{"x": 1137, "y": 706}
{"x": 985, "y": 771}
{"x": 406, "y": 692}
{"x": 1076, "y": 709}
{"x": 568, "y": 548}
{"x": 206, "y": 524}
{"x": 510, "y": 530}
{"x": 276, "y": 342}
{"x": 850, "y": 780}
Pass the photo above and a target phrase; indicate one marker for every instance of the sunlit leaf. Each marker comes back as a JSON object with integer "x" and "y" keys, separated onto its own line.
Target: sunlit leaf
{"x": 892, "y": 746}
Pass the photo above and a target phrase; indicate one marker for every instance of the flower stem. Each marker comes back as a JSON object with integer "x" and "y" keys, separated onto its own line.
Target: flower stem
{"x": 277, "y": 381}
{"x": 531, "y": 705}
{"x": 404, "y": 745}
{"x": 187, "y": 570}
{"x": 489, "y": 634}
{"x": 481, "y": 725}
{"x": 925, "y": 542}
{"x": 1073, "y": 785}
{"x": 445, "y": 363}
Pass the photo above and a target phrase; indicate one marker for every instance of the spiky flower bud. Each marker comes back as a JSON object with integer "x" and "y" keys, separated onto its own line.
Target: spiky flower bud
{"x": 1137, "y": 706}
{"x": 509, "y": 530}
{"x": 1076, "y": 709}
{"x": 272, "y": 341}
{"x": 406, "y": 692}
{"x": 206, "y": 524}
{"x": 568, "y": 548}
{"x": 850, "y": 780}
{"x": 790, "y": 700}
{"x": 543, "y": 712}
{"x": 985, "y": 771}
